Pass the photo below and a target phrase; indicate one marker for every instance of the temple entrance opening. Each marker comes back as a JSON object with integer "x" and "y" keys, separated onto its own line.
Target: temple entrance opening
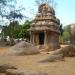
{"x": 41, "y": 38}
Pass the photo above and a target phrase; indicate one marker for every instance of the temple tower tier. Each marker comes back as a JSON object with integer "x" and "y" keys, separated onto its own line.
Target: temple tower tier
{"x": 44, "y": 30}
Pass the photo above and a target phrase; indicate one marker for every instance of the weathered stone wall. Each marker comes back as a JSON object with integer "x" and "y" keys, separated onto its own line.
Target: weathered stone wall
{"x": 53, "y": 41}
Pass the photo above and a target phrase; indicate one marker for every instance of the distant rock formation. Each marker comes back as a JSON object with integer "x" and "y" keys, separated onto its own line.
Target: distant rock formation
{"x": 72, "y": 33}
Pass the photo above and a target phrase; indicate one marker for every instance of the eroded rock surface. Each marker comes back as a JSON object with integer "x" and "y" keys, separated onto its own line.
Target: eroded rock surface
{"x": 53, "y": 58}
{"x": 23, "y": 48}
{"x": 4, "y": 67}
{"x": 66, "y": 51}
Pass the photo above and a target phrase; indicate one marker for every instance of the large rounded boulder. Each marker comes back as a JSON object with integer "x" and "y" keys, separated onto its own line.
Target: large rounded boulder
{"x": 68, "y": 50}
{"x": 23, "y": 48}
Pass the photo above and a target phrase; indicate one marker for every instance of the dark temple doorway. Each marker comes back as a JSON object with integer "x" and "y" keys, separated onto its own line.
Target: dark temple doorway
{"x": 41, "y": 38}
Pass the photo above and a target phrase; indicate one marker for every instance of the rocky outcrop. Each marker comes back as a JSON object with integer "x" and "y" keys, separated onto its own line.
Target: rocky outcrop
{"x": 66, "y": 51}
{"x": 23, "y": 48}
{"x": 4, "y": 67}
{"x": 53, "y": 58}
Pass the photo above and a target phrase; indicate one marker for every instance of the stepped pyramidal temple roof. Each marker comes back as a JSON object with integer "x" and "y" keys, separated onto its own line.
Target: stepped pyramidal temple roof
{"x": 45, "y": 19}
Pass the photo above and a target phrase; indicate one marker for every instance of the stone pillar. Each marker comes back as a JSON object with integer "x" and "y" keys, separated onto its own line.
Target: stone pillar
{"x": 31, "y": 37}
{"x": 45, "y": 37}
{"x": 34, "y": 38}
{"x": 37, "y": 39}
{"x": 46, "y": 46}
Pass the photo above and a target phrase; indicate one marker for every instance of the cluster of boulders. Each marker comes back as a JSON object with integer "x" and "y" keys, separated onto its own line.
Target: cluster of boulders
{"x": 12, "y": 70}
{"x": 25, "y": 48}
{"x": 58, "y": 55}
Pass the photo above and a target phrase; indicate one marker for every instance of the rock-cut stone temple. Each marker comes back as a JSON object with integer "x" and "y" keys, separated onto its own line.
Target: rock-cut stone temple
{"x": 44, "y": 30}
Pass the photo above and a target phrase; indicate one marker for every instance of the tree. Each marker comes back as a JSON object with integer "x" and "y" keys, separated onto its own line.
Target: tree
{"x": 24, "y": 33}
{"x": 5, "y": 4}
{"x": 65, "y": 36}
{"x": 13, "y": 13}
{"x": 9, "y": 30}
{"x": 14, "y": 30}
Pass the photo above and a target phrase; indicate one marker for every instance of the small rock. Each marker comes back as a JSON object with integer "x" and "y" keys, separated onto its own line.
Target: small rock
{"x": 53, "y": 58}
{"x": 4, "y": 67}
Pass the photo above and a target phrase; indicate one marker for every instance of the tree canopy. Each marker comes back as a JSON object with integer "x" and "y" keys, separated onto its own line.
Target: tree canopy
{"x": 65, "y": 37}
{"x": 9, "y": 11}
{"x": 15, "y": 30}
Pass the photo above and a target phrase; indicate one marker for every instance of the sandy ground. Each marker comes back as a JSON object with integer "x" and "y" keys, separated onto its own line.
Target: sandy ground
{"x": 30, "y": 62}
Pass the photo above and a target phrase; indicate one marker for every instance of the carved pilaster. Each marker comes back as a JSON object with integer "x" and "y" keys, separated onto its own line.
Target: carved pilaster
{"x": 37, "y": 39}
{"x": 31, "y": 37}
{"x": 45, "y": 38}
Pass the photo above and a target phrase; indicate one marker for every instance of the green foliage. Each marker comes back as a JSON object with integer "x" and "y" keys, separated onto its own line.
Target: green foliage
{"x": 24, "y": 33}
{"x": 14, "y": 30}
{"x": 66, "y": 36}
